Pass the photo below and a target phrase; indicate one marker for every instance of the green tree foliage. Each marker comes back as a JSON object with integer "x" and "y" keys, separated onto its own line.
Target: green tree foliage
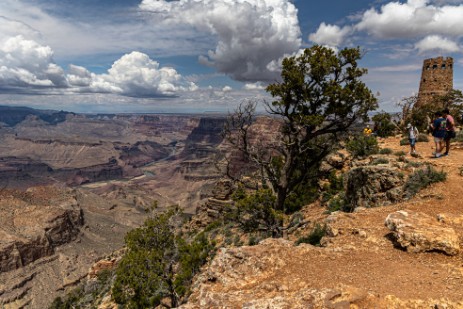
{"x": 315, "y": 236}
{"x": 257, "y": 212}
{"x": 384, "y": 125}
{"x": 362, "y": 145}
{"x": 158, "y": 264}
{"x": 317, "y": 100}
{"x": 453, "y": 100}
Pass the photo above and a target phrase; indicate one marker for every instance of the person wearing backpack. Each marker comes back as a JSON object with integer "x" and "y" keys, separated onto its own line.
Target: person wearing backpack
{"x": 438, "y": 131}
{"x": 449, "y": 130}
{"x": 412, "y": 137}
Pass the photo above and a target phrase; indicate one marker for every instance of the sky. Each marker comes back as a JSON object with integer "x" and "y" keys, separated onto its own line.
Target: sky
{"x": 186, "y": 56}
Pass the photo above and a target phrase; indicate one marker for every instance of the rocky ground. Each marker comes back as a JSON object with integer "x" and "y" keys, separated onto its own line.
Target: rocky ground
{"x": 363, "y": 263}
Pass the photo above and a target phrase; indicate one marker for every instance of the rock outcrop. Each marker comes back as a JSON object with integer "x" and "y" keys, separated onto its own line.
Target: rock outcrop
{"x": 419, "y": 232}
{"x": 31, "y": 229}
{"x": 370, "y": 186}
{"x": 216, "y": 206}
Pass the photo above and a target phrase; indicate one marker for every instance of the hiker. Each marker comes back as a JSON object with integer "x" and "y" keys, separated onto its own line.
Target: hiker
{"x": 449, "y": 130}
{"x": 375, "y": 129}
{"x": 412, "y": 136}
{"x": 438, "y": 131}
{"x": 367, "y": 131}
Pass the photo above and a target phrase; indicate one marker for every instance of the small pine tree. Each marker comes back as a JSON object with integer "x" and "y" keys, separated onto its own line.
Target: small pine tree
{"x": 159, "y": 264}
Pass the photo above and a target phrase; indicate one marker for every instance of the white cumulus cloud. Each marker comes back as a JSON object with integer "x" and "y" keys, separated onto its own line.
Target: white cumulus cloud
{"x": 411, "y": 19}
{"x": 27, "y": 66}
{"x": 437, "y": 43}
{"x": 25, "y": 63}
{"x": 330, "y": 35}
{"x": 250, "y": 33}
{"x": 135, "y": 74}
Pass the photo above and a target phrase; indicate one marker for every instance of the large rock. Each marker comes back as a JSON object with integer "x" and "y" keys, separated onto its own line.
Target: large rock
{"x": 370, "y": 186}
{"x": 419, "y": 232}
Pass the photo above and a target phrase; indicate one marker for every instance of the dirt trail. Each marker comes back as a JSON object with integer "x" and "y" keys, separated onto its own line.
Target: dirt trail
{"x": 375, "y": 264}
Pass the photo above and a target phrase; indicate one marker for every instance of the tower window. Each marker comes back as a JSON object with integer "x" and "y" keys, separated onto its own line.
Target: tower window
{"x": 443, "y": 66}
{"x": 434, "y": 66}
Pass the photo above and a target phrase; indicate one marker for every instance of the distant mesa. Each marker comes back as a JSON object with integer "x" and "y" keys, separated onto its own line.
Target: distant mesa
{"x": 12, "y": 115}
{"x": 436, "y": 79}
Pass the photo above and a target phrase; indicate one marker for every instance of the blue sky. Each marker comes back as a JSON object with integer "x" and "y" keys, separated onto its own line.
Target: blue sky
{"x": 209, "y": 55}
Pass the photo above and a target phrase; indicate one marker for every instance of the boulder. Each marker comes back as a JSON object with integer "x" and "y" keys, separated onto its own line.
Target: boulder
{"x": 370, "y": 186}
{"x": 419, "y": 232}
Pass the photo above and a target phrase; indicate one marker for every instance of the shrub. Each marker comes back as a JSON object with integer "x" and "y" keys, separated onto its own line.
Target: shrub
{"x": 304, "y": 193}
{"x": 400, "y": 153}
{"x": 385, "y": 151}
{"x": 421, "y": 179}
{"x": 336, "y": 185}
{"x": 379, "y": 161}
{"x": 413, "y": 164}
{"x": 404, "y": 141}
{"x": 362, "y": 145}
{"x": 422, "y": 138}
{"x": 257, "y": 212}
{"x": 254, "y": 239}
{"x": 315, "y": 236}
{"x": 337, "y": 203}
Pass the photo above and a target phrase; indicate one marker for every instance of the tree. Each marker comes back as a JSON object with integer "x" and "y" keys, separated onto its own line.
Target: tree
{"x": 453, "y": 100}
{"x": 158, "y": 264}
{"x": 418, "y": 116}
{"x": 320, "y": 96}
{"x": 256, "y": 212}
{"x": 383, "y": 124}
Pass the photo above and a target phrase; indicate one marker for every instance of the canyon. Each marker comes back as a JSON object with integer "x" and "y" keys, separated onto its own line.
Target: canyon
{"x": 72, "y": 185}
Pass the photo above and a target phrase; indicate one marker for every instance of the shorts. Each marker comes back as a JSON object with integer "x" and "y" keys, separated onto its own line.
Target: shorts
{"x": 412, "y": 141}
{"x": 438, "y": 139}
{"x": 449, "y": 135}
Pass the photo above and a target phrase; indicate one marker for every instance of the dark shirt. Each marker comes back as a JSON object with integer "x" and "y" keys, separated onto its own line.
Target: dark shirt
{"x": 439, "y": 128}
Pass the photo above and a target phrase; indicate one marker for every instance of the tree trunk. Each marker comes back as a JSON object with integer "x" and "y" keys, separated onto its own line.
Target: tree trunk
{"x": 281, "y": 198}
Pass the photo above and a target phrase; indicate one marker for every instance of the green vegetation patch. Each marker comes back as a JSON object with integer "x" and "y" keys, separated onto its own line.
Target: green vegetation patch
{"x": 315, "y": 236}
{"x": 159, "y": 264}
{"x": 379, "y": 161}
{"x": 362, "y": 146}
{"x": 385, "y": 151}
{"x": 421, "y": 179}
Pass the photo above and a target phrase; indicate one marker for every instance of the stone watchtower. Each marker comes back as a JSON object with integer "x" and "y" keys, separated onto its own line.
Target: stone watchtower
{"x": 436, "y": 79}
